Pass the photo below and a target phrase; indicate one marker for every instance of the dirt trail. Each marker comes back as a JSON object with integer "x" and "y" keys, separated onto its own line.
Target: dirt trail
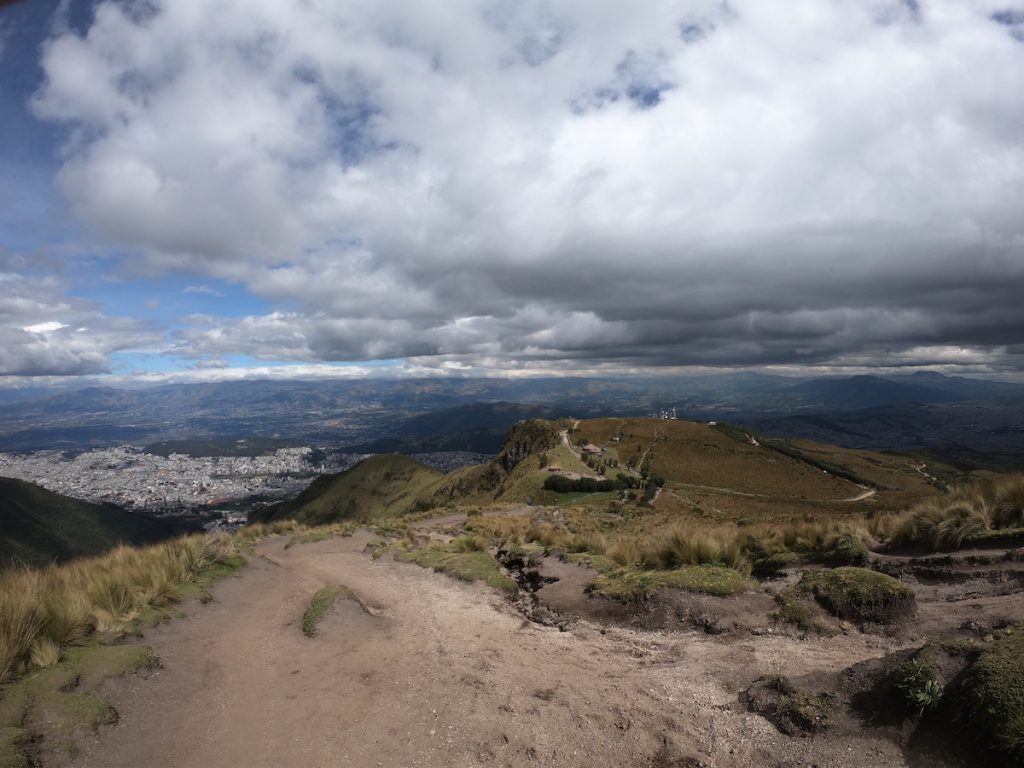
{"x": 447, "y": 674}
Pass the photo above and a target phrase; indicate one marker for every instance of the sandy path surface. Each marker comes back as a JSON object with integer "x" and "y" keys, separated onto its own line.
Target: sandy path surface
{"x": 446, "y": 674}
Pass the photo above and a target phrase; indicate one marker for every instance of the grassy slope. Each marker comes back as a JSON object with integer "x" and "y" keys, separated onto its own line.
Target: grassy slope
{"x": 385, "y": 485}
{"x": 38, "y": 526}
{"x": 700, "y": 463}
{"x": 693, "y": 453}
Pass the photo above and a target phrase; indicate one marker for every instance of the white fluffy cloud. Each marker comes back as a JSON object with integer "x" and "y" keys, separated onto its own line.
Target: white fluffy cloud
{"x": 692, "y": 182}
{"x": 44, "y": 332}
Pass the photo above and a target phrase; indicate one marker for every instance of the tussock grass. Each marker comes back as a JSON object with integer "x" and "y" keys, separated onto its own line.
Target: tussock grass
{"x": 965, "y": 515}
{"x": 679, "y": 547}
{"x": 44, "y": 611}
{"x": 302, "y": 535}
{"x": 653, "y": 541}
{"x": 937, "y": 526}
{"x": 250, "y": 534}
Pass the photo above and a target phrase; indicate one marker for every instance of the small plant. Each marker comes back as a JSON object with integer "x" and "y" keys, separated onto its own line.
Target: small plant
{"x": 917, "y": 682}
{"x": 778, "y": 682}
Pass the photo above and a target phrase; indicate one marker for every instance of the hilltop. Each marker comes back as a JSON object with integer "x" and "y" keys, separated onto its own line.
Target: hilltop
{"x": 685, "y": 463}
{"x": 39, "y": 526}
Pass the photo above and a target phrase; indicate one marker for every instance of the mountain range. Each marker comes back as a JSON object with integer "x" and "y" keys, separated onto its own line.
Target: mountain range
{"x": 969, "y": 418}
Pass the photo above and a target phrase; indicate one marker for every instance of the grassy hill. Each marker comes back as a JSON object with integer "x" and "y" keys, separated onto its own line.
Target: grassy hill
{"x": 38, "y": 526}
{"x": 385, "y": 485}
{"x": 388, "y": 485}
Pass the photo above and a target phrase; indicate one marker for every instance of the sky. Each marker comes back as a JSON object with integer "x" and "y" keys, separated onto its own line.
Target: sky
{"x": 216, "y": 189}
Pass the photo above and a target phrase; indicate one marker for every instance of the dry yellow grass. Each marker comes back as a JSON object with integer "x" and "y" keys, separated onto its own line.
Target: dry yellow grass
{"x": 967, "y": 513}
{"x": 45, "y": 610}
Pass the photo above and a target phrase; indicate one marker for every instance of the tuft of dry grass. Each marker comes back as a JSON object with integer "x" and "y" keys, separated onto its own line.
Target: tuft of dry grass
{"x": 966, "y": 512}
{"x": 940, "y": 527}
{"x": 43, "y": 611}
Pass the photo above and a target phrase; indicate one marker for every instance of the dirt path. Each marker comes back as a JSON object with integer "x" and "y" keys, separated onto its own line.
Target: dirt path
{"x": 867, "y": 493}
{"x": 447, "y": 674}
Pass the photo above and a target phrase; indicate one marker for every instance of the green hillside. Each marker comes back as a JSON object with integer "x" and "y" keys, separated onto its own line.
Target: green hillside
{"x": 38, "y": 526}
{"x": 388, "y": 485}
{"x": 385, "y": 485}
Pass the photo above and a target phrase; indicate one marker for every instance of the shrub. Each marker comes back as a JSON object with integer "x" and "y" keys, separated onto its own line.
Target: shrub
{"x": 845, "y": 549}
{"x": 993, "y": 691}
{"x": 563, "y": 484}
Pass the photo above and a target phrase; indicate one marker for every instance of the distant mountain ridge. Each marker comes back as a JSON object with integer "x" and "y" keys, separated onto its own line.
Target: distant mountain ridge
{"x": 860, "y": 392}
{"x": 423, "y": 415}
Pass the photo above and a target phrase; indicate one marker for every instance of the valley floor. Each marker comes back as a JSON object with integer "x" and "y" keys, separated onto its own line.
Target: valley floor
{"x": 439, "y": 672}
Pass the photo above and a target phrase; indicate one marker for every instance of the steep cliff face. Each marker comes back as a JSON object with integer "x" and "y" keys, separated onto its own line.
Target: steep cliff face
{"x": 526, "y": 439}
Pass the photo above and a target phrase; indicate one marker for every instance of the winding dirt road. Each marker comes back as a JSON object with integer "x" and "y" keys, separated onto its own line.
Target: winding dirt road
{"x": 444, "y": 673}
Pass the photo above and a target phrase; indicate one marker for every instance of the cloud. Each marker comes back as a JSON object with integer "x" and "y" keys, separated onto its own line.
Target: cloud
{"x": 497, "y": 184}
{"x": 45, "y": 332}
{"x": 203, "y": 289}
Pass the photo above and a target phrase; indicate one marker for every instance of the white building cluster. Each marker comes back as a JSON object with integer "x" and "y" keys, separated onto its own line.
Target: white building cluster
{"x": 127, "y": 476}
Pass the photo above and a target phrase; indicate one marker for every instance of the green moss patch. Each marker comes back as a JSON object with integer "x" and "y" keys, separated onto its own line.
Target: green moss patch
{"x": 321, "y": 603}
{"x": 799, "y": 610}
{"x": 993, "y": 695}
{"x": 54, "y": 707}
{"x": 468, "y": 566}
{"x": 859, "y": 595}
{"x": 199, "y": 588}
{"x": 628, "y": 584}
